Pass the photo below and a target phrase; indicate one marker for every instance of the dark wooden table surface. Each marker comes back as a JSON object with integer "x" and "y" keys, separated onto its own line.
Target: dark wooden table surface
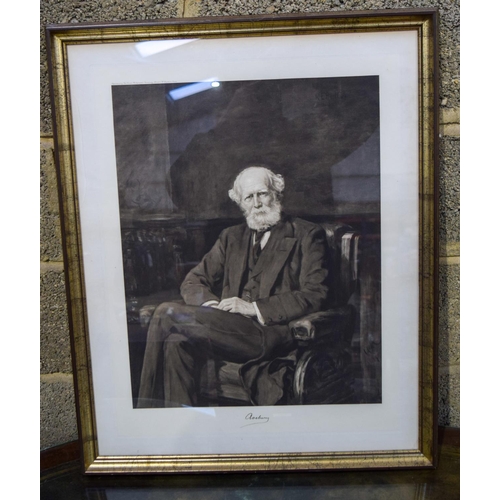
{"x": 66, "y": 482}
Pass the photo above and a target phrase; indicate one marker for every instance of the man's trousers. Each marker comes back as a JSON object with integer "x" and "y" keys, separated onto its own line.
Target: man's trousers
{"x": 180, "y": 341}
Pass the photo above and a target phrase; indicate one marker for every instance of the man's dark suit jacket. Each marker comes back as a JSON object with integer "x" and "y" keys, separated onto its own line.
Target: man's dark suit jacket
{"x": 295, "y": 281}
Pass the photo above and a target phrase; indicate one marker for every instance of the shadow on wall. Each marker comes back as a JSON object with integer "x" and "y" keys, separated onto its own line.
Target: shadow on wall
{"x": 180, "y": 156}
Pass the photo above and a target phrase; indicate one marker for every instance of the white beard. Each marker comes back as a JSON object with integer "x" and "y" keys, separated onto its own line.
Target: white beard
{"x": 261, "y": 219}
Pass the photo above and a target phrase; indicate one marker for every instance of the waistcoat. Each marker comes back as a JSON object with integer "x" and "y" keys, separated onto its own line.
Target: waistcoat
{"x": 251, "y": 289}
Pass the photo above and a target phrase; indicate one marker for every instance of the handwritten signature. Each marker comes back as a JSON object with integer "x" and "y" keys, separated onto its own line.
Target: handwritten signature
{"x": 255, "y": 419}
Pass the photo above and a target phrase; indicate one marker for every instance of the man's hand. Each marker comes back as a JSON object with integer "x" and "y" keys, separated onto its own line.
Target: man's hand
{"x": 237, "y": 305}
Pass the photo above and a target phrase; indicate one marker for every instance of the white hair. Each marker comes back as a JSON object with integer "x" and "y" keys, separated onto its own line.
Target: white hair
{"x": 275, "y": 182}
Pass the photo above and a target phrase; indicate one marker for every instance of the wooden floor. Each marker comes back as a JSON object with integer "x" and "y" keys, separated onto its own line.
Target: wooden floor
{"x": 62, "y": 480}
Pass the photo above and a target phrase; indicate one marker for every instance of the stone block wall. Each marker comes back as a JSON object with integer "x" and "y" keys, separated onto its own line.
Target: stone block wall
{"x": 58, "y": 416}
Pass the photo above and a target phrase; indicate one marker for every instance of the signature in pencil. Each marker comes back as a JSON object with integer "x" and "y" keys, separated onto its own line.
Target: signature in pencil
{"x": 252, "y": 419}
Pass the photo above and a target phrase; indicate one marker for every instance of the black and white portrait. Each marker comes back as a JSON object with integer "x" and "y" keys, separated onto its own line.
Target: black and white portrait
{"x": 250, "y": 224}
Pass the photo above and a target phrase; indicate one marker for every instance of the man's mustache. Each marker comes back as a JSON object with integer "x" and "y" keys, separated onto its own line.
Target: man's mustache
{"x": 264, "y": 210}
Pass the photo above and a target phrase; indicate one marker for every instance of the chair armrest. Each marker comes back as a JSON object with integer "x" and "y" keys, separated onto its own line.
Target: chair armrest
{"x": 335, "y": 324}
{"x": 146, "y": 313}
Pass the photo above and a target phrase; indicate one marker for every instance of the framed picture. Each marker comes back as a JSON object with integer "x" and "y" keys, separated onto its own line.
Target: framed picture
{"x": 249, "y": 219}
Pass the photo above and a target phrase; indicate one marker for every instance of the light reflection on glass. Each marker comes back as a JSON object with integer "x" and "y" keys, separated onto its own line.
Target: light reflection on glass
{"x": 207, "y": 411}
{"x": 153, "y": 47}
{"x": 193, "y": 88}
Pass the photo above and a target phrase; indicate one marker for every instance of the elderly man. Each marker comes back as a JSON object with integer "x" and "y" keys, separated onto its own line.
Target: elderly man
{"x": 239, "y": 299}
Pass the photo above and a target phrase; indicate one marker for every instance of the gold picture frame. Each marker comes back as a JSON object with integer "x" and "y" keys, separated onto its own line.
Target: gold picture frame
{"x": 82, "y": 237}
